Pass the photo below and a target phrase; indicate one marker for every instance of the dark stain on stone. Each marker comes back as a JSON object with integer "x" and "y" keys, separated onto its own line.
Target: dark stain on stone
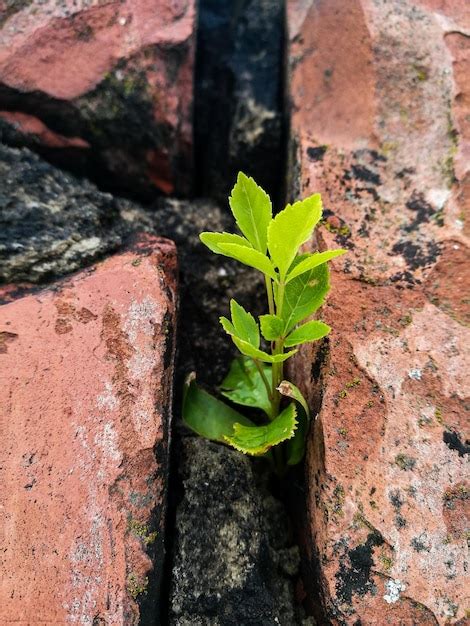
{"x": 406, "y": 277}
{"x": 376, "y": 156}
{"x": 10, "y": 8}
{"x": 423, "y": 212}
{"x": 406, "y": 171}
{"x": 418, "y": 545}
{"x": 405, "y": 462}
{"x": 168, "y": 331}
{"x": 453, "y": 442}
{"x": 361, "y": 172}
{"x": 353, "y": 577}
{"x": 400, "y": 521}
{"x": 62, "y": 326}
{"x": 5, "y": 339}
{"x": 396, "y": 499}
{"x": 415, "y": 255}
{"x": 84, "y": 315}
{"x": 316, "y": 153}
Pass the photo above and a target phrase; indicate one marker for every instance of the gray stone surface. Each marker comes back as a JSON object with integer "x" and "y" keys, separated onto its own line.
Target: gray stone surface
{"x": 232, "y": 561}
{"x": 52, "y": 223}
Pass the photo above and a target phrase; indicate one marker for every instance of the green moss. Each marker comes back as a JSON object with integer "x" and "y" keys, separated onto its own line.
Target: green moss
{"x": 422, "y": 72}
{"x": 141, "y": 530}
{"x": 137, "y": 586}
{"x": 460, "y": 492}
{"x": 338, "y": 497}
{"x": 343, "y": 230}
{"x": 386, "y": 561}
{"x": 368, "y": 280}
{"x": 389, "y": 147}
{"x": 448, "y": 169}
{"x": 405, "y": 462}
{"x": 349, "y": 385}
{"x": 353, "y": 383}
{"x": 438, "y": 217}
{"x": 438, "y": 415}
{"x": 424, "y": 421}
{"x": 406, "y": 320}
{"x": 448, "y": 161}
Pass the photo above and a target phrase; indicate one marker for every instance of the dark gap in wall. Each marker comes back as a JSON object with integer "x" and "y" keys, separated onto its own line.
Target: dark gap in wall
{"x": 240, "y": 123}
{"x": 239, "y": 96}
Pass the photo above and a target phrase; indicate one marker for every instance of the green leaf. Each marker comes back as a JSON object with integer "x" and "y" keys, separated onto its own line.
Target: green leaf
{"x": 290, "y": 229}
{"x": 310, "y": 331}
{"x": 252, "y": 210}
{"x": 257, "y": 440}
{"x": 244, "y": 324}
{"x": 313, "y": 260}
{"x": 271, "y": 327}
{"x": 248, "y": 350}
{"x": 213, "y": 241}
{"x": 227, "y": 326}
{"x": 304, "y": 295}
{"x": 249, "y": 257}
{"x": 288, "y": 389}
{"x": 244, "y": 385}
{"x": 296, "y": 445}
{"x": 208, "y": 416}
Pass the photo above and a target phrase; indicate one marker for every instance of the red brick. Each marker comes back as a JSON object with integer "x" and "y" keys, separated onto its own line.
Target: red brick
{"x": 117, "y": 76}
{"x": 86, "y": 404}
{"x": 378, "y": 96}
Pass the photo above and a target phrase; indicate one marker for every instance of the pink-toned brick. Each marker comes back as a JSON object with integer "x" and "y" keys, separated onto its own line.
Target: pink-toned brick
{"x": 86, "y": 385}
{"x": 111, "y": 81}
{"x": 379, "y": 92}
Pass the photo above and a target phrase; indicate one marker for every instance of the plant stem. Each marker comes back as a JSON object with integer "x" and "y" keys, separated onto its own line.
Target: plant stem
{"x": 269, "y": 290}
{"x": 263, "y": 376}
{"x": 278, "y": 368}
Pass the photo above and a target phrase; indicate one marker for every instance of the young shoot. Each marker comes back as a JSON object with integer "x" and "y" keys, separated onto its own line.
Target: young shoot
{"x": 296, "y": 287}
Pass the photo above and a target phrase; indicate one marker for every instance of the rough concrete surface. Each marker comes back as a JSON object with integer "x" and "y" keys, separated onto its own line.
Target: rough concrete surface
{"x": 232, "y": 562}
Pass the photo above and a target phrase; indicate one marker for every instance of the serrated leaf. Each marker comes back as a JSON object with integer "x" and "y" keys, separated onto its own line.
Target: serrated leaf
{"x": 290, "y": 229}
{"x": 296, "y": 445}
{"x": 248, "y": 350}
{"x": 313, "y": 260}
{"x": 244, "y": 385}
{"x": 244, "y": 324}
{"x": 213, "y": 241}
{"x": 251, "y": 207}
{"x": 250, "y": 257}
{"x": 271, "y": 327}
{"x": 310, "y": 331}
{"x": 288, "y": 389}
{"x": 227, "y": 326}
{"x": 208, "y": 416}
{"x": 304, "y": 295}
{"x": 257, "y": 440}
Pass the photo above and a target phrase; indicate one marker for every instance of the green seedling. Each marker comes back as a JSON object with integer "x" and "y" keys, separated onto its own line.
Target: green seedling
{"x": 296, "y": 287}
